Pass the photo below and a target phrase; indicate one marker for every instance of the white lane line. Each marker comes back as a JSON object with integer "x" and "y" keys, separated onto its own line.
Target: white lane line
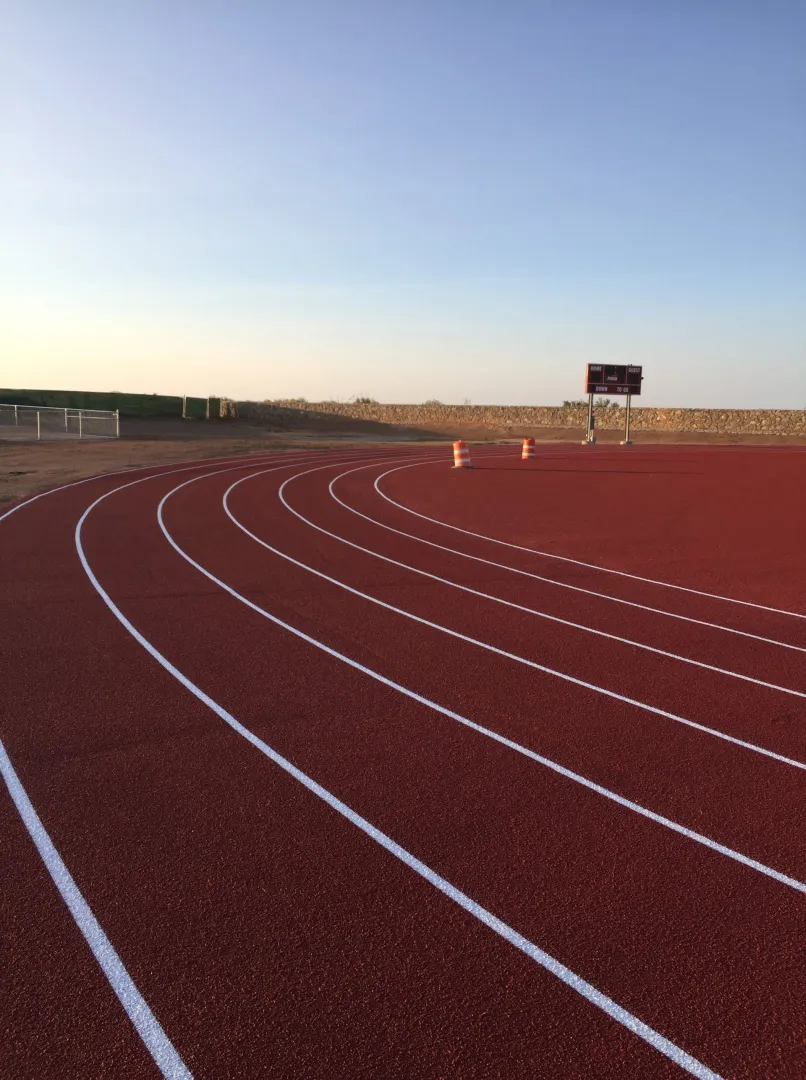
{"x": 137, "y": 1009}
{"x": 166, "y": 469}
{"x": 561, "y": 584}
{"x": 204, "y": 462}
{"x": 579, "y": 562}
{"x": 521, "y": 607}
{"x": 591, "y": 785}
{"x": 621, "y": 1015}
{"x": 486, "y": 645}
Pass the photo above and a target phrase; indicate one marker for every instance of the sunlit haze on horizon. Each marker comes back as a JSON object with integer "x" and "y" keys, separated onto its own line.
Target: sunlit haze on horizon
{"x": 460, "y": 201}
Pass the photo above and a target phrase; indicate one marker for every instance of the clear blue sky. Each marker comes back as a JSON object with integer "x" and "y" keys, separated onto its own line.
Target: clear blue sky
{"x": 407, "y": 200}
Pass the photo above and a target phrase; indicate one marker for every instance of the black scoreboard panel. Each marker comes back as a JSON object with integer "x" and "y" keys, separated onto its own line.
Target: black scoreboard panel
{"x": 613, "y": 379}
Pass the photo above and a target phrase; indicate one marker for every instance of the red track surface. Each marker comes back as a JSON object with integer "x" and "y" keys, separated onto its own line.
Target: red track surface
{"x": 272, "y": 937}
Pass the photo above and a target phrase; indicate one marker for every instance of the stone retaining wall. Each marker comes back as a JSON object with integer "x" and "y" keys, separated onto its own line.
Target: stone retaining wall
{"x": 516, "y": 417}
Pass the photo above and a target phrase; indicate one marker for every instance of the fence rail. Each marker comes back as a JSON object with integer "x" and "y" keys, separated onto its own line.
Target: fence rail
{"x": 130, "y": 406}
{"x": 42, "y": 422}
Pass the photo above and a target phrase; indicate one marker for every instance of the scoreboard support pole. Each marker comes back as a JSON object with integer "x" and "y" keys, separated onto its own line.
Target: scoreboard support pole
{"x": 589, "y": 429}
{"x": 626, "y": 440}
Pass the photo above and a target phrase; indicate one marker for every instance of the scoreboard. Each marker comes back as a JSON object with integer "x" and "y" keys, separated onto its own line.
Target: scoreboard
{"x": 613, "y": 379}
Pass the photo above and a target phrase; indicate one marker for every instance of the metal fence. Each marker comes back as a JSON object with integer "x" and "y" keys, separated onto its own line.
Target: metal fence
{"x": 40, "y": 422}
{"x": 142, "y": 406}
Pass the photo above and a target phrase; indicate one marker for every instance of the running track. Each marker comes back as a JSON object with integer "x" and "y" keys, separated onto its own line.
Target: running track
{"x": 348, "y": 764}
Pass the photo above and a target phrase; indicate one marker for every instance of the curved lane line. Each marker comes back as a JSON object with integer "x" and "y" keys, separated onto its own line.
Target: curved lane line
{"x": 535, "y": 611}
{"x": 621, "y": 800}
{"x": 484, "y": 644}
{"x": 554, "y": 581}
{"x": 157, "y": 1043}
{"x": 121, "y": 472}
{"x": 136, "y": 1007}
{"x": 579, "y": 562}
{"x": 565, "y": 584}
{"x": 660, "y": 1043}
{"x": 167, "y": 466}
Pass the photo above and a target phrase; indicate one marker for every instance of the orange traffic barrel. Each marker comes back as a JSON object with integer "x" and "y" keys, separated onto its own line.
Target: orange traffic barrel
{"x": 461, "y": 456}
{"x": 528, "y": 453}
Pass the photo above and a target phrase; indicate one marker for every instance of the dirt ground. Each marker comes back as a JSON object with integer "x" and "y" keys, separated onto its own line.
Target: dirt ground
{"x": 29, "y": 467}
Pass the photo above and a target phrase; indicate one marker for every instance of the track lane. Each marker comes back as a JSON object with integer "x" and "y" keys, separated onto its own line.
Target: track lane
{"x": 708, "y": 639}
{"x": 659, "y": 1042}
{"x": 650, "y": 532}
{"x": 488, "y": 732}
{"x": 552, "y": 1039}
{"x": 103, "y": 807}
{"x": 474, "y": 588}
{"x": 473, "y": 688}
{"x": 64, "y": 1016}
{"x": 683, "y": 813}
{"x": 49, "y": 987}
{"x": 325, "y": 736}
{"x": 294, "y": 1037}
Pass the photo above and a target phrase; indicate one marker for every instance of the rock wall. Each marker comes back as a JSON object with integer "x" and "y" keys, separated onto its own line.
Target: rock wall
{"x": 516, "y": 417}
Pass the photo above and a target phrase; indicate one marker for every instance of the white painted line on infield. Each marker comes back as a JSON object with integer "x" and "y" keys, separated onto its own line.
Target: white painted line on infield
{"x": 663, "y": 1045}
{"x": 579, "y": 562}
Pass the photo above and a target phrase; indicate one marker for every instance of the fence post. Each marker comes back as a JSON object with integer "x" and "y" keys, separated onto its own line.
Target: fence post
{"x": 117, "y": 423}
{"x": 184, "y": 406}
{"x": 38, "y": 430}
{"x": 207, "y": 411}
{"x": 16, "y": 416}
{"x": 80, "y": 414}
{"x": 66, "y": 429}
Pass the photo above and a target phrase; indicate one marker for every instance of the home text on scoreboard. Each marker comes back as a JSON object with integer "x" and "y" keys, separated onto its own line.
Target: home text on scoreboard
{"x": 613, "y": 379}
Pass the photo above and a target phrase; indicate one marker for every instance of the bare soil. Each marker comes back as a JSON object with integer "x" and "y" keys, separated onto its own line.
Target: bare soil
{"x": 29, "y": 467}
